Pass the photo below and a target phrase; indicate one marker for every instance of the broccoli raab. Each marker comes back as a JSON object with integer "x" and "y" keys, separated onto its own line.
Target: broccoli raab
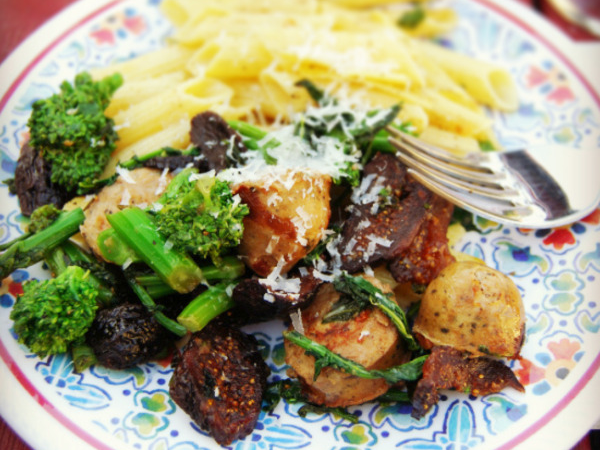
{"x": 33, "y": 247}
{"x": 71, "y": 132}
{"x": 199, "y": 215}
{"x": 54, "y": 313}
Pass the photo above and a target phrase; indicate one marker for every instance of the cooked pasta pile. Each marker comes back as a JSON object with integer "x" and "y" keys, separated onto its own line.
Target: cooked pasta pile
{"x": 242, "y": 59}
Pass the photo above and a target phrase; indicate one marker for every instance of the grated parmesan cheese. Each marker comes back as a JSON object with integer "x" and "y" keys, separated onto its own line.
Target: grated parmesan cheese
{"x": 125, "y": 174}
{"x": 125, "y": 198}
{"x": 163, "y": 181}
{"x": 296, "y": 318}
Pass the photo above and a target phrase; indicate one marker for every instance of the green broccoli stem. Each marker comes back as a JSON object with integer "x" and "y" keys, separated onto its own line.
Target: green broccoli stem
{"x": 22, "y": 237}
{"x": 251, "y": 135}
{"x": 114, "y": 249}
{"x": 26, "y": 252}
{"x": 381, "y": 143}
{"x": 138, "y": 161}
{"x": 83, "y": 356}
{"x": 247, "y": 130}
{"x": 154, "y": 285}
{"x": 205, "y": 307}
{"x": 410, "y": 371}
{"x": 56, "y": 260}
{"x": 230, "y": 268}
{"x": 137, "y": 229}
{"x": 160, "y": 317}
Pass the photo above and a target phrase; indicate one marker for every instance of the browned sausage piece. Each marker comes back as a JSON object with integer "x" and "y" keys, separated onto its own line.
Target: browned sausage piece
{"x": 139, "y": 187}
{"x": 289, "y": 214}
{"x": 220, "y": 381}
{"x": 368, "y": 338}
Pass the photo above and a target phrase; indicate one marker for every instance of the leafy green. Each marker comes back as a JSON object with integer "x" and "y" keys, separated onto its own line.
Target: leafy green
{"x": 324, "y": 357}
{"x": 291, "y": 392}
{"x": 355, "y": 131}
{"x": 363, "y": 291}
{"x": 412, "y": 18}
{"x": 72, "y": 133}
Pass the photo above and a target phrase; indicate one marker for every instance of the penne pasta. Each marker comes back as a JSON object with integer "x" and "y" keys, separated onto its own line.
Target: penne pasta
{"x": 175, "y": 134}
{"x": 132, "y": 93}
{"x": 152, "y": 64}
{"x": 459, "y": 145}
{"x": 243, "y": 60}
{"x": 489, "y": 84}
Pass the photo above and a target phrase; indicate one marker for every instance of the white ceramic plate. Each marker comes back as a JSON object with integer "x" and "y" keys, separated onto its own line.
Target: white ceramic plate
{"x": 558, "y": 271}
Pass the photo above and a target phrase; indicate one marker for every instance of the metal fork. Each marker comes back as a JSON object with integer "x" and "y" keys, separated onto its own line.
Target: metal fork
{"x": 541, "y": 187}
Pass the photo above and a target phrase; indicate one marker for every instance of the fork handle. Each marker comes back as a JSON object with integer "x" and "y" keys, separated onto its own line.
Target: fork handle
{"x": 538, "y": 182}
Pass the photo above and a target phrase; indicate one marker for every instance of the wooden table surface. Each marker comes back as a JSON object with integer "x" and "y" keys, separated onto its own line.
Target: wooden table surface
{"x": 22, "y": 17}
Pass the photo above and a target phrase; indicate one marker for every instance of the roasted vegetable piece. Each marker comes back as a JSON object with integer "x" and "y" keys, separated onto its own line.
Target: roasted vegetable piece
{"x": 449, "y": 368}
{"x": 473, "y": 308}
{"x": 428, "y": 253}
{"x": 71, "y": 132}
{"x": 52, "y": 314}
{"x": 220, "y": 381}
{"x": 32, "y": 249}
{"x": 32, "y": 182}
{"x": 200, "y": 215}
{"x": 260, "y": 302}
{"x": 387, "y": 211}
{"x": 218, "y": 143}
{"x": 126, "y": 335}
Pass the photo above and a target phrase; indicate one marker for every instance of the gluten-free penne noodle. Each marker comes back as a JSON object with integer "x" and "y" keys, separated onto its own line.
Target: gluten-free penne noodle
{"x": 243, "y": 60}
{"x": 488, "y": 83}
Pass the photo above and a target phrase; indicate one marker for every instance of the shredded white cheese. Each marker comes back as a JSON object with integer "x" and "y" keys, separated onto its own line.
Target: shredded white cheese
{"x": 296, "y": 318}
{"x": 125, "y": 175}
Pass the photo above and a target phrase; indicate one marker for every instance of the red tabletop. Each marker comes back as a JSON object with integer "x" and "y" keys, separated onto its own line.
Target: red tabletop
{"x": 22, "y": 17}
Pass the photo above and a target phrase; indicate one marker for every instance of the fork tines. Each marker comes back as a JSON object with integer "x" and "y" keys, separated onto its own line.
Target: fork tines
{"x": 474, "y": 181}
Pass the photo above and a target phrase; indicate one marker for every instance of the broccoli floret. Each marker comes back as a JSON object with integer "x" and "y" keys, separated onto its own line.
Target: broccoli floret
{"x": 42, "y": 218}
{"x": 71, "y": 132}
{"x": 52, "y": 314}
{"x": 200, "y": 215}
